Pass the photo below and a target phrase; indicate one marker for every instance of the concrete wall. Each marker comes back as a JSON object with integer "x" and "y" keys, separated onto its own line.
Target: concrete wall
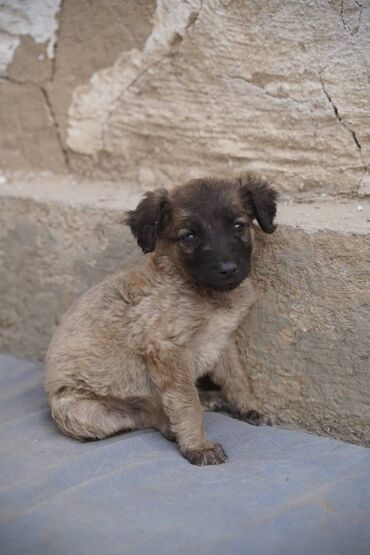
{"x": 155, "y": 92}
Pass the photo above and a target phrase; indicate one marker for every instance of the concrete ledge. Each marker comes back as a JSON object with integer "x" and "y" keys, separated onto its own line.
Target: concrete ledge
{"x": 306, "y": 342}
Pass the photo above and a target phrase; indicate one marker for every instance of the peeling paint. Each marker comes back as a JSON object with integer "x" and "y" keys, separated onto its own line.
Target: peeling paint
{"x": 93, "y": 104}
{"x": 36, "y": 18}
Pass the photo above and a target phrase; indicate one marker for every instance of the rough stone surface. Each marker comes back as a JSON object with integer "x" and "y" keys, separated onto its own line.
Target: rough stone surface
{"x": 305, "y": 343}
{"x": 33, "y": 18}
{"x": 30, "y": 137}
{"x": 53, "y": 248}
{"x": 27, "y": 127}
{"x": 151, "y": 92}
{"x": 90, "y": 35}
{"x": 30, "y": 63}
{"x": 277, "y": 87}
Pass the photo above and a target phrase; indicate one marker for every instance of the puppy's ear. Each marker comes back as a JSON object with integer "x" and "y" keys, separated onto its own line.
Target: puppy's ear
{"x": 149, "y": 218}
{"x": 259, "y": 200}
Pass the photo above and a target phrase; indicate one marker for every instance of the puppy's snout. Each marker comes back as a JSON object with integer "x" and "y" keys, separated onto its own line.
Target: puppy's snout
{"x": 227, "y": 269}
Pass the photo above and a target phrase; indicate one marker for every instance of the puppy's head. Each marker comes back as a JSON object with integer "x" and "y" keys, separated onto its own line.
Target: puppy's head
{"x": 204, "y": 226}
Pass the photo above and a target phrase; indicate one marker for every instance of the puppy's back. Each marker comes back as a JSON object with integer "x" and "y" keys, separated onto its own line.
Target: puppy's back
{"x": 79, "y": 339}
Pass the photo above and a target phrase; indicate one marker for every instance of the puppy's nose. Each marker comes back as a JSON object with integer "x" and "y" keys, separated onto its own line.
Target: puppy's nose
{"x": 227, "y": 268}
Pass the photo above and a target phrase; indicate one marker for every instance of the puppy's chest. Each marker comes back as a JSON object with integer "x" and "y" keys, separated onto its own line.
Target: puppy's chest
{"x": 212, "y": 338}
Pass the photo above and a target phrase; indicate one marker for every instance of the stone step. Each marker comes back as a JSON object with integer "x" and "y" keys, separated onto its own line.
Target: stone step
{"x": 306, "y": 341}
{"x": 281, "y": 492}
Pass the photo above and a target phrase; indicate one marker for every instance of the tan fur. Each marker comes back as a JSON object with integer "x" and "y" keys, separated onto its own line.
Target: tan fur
{"x": 128, "y": 353}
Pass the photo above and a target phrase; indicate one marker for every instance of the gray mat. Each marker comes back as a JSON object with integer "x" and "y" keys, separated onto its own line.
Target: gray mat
{"x": 281, "y": 493}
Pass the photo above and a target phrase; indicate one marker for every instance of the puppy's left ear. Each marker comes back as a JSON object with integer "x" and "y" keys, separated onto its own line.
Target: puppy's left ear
{"x": 149, "y": 218}
{"x": 259, "y": 200}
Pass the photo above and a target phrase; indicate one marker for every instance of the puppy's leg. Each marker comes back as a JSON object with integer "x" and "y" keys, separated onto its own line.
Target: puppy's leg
{"x": 161, "y": 422}
{"x": 91, "y": 418}
{"x": 214, "y": 401}
{"x": 230, "y": 375}
{"x": 173, "y": 376}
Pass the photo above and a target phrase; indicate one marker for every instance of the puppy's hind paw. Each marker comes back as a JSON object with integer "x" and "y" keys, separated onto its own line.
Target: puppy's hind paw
{"x": 214, "y": 454}
{"x": 255, "y": 418}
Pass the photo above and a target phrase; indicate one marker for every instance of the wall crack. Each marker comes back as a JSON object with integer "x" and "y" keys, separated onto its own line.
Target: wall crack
{"x": 56, "y": 126}
{"x": 347, "y": 25}
{"x": 194, "y": 16}
{"x": 56, "y": 43}
{"x": 359, "y": 15}
{"x": 105, "y": 122}
{"x": 338, "y": 116}
{"x": 342, "y": 16}
{"x": 42, "y": 87}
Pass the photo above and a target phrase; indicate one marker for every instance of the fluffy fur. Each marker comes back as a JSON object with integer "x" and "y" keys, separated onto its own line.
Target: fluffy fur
{"x": 129, "y": 352}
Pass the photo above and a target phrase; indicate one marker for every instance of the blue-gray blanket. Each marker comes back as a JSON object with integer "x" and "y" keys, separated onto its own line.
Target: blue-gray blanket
{"x": 281, "y": 493}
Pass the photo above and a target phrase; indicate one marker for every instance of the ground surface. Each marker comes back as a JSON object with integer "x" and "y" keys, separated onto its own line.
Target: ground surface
{"x": 282, "y": 492}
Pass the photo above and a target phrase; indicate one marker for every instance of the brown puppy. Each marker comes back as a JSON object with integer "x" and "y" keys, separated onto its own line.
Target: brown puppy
{"x": 128, "y": 353}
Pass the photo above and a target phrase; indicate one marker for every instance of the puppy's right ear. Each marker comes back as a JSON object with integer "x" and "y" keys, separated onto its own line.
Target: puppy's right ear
{"x": 149, "y": 218}
{"x": 260, "y": 200}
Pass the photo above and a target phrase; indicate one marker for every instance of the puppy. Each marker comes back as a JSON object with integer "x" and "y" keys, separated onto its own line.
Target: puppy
{"x": 128, "y": 353}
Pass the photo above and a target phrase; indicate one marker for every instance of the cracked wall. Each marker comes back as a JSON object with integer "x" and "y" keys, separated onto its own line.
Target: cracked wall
{"x": 28, "y": 35}
{"x": 155, "y": 92}
{"x": 36, "y": 90}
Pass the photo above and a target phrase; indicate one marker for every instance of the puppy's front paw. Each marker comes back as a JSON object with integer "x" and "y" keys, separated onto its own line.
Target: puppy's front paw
{"x": 214, "y": 454}
{"x": 255, "y": 418}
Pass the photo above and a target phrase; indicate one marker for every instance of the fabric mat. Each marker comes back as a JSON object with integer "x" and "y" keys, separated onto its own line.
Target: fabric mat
{"x": 281, "y": 493}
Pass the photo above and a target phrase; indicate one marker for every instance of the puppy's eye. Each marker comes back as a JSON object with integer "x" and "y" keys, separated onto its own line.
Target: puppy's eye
{"x": 187, "y": 238}
{"x": 238, "y": 226}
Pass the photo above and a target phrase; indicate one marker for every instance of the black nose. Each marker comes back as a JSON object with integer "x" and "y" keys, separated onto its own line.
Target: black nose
{"x": 227, "y": 269}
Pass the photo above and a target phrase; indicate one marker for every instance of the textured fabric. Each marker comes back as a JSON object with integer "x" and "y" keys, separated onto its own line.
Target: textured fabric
{"x": 282, "y": 492}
